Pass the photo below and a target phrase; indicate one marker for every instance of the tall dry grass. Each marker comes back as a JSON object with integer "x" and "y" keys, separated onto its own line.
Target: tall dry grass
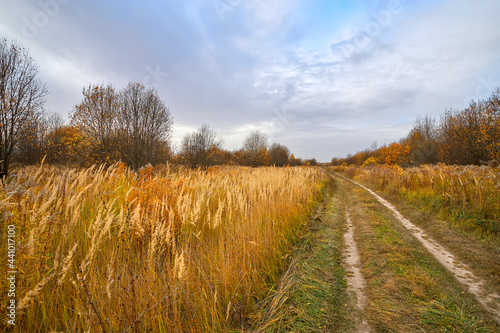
{"x": 107, "y": 249}
{"x": 468, "y": 196}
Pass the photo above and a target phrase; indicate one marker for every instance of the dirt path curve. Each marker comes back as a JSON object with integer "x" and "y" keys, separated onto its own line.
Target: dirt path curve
{"x": 355, "y": 279}
{"x": 475, "y": 285}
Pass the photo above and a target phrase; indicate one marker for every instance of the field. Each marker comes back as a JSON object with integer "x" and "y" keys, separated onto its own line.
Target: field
{"x": 108, "y": 249}
{"x": 233, "y": 249}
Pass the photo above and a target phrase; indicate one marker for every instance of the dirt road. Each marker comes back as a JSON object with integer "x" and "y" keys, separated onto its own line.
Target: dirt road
{"x": 476, "y": 286}
{"x": 355, "y": 279}
{"x": 361, "y": 266}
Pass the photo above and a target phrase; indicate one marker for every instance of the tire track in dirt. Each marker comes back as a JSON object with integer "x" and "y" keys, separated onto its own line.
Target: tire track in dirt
{"x": 475, "y": 285}
{"x": 355, "y": 279}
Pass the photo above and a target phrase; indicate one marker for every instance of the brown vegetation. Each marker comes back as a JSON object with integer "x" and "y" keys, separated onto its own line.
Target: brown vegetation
{"x": 109, "y": 249}
{"x": 468, "y": 196}
{"x": 132, "y": 125}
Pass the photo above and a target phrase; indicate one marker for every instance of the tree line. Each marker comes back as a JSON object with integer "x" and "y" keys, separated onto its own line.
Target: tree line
{"x": 202, "y": 148}
{"x": 132, "y": 125}
{"x": 469, "y": 135}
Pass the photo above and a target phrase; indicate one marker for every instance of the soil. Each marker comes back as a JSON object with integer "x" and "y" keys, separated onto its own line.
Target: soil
{"x": 355, "y": 279}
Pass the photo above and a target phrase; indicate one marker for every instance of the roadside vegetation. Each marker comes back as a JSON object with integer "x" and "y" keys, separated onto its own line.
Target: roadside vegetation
{"x": 110, "y": 249}
{"x": 459, "y": 206}
{"x": 132, "y": 124}
{"x": 311, "y": 295}
{"x": 467, "y": 197}
{"x": 408, "y": 290}
{"x": 118, "y": 230}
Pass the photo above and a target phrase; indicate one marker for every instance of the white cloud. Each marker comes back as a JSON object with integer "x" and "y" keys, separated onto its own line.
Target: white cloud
{"x": 269, "y": 65}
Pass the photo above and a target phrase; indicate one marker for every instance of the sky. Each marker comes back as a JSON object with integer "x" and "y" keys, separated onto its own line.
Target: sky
{"x": 323, "y": 77}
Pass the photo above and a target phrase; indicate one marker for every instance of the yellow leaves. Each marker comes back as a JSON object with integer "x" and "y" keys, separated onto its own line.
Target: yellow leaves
{"x": 370, "y": 161}
{"x": 462, "y": 137}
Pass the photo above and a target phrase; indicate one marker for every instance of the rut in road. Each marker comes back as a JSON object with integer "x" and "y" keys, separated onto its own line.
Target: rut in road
{"x": 475, "y": 285}
{"x": 355, "y": 279}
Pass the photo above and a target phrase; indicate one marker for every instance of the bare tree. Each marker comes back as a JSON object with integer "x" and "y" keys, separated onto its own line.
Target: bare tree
{"x": 54, "y": 122}
{"x": 145, "y": 125}
{"x": 255, "y": 141}
{"x": 423, "y": 141}
{"x": 197, "y": 146}
{"x": 255, "y": 149}
{"x": 96, "y": 117}
{"x": 22, "y": 96}
{"x": 30, "y": 148}
{"x": 280, "y": 154}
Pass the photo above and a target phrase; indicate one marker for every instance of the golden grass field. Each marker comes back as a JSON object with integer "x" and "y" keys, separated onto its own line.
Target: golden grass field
{"x": 162, "y": 250}
{"x": 108, "y": 249}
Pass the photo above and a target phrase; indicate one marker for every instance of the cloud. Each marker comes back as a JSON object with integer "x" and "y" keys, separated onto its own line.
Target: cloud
{"x": 303, "y": 72}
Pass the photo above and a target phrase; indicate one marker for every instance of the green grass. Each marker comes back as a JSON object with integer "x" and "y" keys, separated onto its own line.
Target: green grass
{"x": 458, "y": 225}
{"x": 407, "y": 289}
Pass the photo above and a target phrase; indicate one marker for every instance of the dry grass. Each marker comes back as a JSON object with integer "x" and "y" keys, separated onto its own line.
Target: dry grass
{"x": 467, "y": 196}
{"x": 162, "y": 250}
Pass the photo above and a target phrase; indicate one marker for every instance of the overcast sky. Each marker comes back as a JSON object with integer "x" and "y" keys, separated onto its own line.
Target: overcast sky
{"x": 323, "y": 77}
